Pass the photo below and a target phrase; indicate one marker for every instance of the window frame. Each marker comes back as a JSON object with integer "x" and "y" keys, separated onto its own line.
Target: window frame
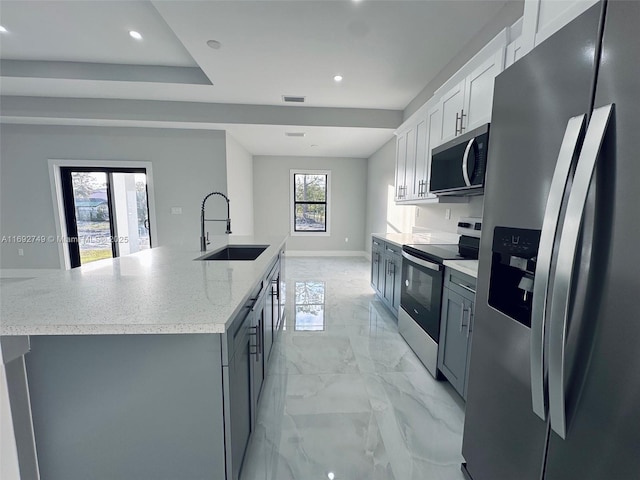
{"x": 292, "y": 204}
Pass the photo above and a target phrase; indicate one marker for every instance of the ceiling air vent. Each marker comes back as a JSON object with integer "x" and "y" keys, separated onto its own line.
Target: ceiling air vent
{"x": 292, "y": 99}
{"x": 295, "y": 134}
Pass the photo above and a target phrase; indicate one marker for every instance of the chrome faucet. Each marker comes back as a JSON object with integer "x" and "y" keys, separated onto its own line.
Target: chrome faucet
{"x": 204, "y": 241}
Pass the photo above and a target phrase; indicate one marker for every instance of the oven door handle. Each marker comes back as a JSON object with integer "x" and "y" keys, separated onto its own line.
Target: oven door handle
{"x": 423, "y": 263}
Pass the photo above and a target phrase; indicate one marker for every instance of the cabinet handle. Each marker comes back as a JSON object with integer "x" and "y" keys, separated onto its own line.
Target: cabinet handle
{"x": 377, "y": 258}
{"x": 469, "y": 324}
{"x": 462, "y": 317}
{"x": 462, "y": 115}
{"x": 257, "y": 351}
{"x": 457, "y": 120}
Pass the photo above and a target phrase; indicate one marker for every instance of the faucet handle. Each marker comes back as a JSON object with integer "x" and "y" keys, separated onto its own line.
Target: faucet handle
{"x": 208, "y": 242}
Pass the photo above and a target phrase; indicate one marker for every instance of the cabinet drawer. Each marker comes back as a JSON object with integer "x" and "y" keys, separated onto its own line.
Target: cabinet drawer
{"x": 392, "y": 249}
{"x": 460, "y": 283}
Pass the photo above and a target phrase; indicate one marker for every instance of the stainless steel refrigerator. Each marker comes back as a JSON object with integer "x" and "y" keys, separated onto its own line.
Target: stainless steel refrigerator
{"x": 554, "y": 382}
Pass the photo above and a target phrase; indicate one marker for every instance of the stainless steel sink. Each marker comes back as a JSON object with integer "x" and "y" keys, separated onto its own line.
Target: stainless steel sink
{"x": 236, "y": 252}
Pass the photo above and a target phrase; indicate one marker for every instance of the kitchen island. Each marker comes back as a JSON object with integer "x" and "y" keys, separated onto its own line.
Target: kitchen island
{"x": 148, "y": 366}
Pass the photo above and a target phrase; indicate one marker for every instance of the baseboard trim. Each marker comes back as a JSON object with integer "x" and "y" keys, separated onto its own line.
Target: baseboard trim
{"x": 326, "y": 253}
{"x": 26, "y": 272}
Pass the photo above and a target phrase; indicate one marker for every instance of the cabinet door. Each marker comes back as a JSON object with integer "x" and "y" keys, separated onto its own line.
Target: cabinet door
{"x": 452, "y": 105}
{"x": 421, "y": 172}
{"x": 259, "y": 357}
{"x": 377, "y": 267}
{"x": 392, "y": 271}
{"x": 452, "y": 348}
{"x": 401, "y": 164}
{"x": 542, "y": 18}
{"x": 434, "y": 117}
{"x": 410, "y": 165}
{"x": 397, "y": 280}
{"x": 479, "y": 91}
{"x": 472, "y": 309}
{"x": 270, "y": 307}
{"x": 241, "y": 406}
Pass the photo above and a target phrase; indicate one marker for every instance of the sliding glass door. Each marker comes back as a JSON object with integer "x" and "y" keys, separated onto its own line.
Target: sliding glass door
{"x": 106, "y": 212}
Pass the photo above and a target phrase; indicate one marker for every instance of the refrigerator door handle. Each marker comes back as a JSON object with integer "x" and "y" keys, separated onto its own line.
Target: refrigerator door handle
{"x": 568, "y": 150}
{"x": 564, "y": 275}
{"x": 465, "y": 161}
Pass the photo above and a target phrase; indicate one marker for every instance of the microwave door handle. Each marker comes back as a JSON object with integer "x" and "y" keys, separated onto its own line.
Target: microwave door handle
{"x": 564, "y": 276}
{"x": 465, "y": 161}
{"x": 568, "y": 150}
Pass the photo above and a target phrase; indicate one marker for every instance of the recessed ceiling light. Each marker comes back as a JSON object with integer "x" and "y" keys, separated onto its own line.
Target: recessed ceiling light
{"x": 337, "y": 78}
{"x": 2, "y": 29}
{"x": 214, "y": 44}
{"x": 135, "y": 34}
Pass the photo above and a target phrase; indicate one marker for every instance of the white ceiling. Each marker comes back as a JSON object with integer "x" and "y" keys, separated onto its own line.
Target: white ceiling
{"x": 387, "y": 52}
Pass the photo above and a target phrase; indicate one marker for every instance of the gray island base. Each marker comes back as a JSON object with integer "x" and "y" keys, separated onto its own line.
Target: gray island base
{"x": 145, "y": 406}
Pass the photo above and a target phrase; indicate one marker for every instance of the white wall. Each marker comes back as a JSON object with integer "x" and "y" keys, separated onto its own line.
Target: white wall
{"x": 433, "y": 216}
{"x": 187, "y": 164}
{"x": 348, "y": 201}
{"x": 240, "y": 187}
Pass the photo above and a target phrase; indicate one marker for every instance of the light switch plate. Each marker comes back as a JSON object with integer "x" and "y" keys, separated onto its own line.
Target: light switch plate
{"x": 176, "y": 210}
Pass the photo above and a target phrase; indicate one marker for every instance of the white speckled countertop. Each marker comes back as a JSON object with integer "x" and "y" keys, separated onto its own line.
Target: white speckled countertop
{"x": 162, "y": 290}
{"x": 470, "y": 267}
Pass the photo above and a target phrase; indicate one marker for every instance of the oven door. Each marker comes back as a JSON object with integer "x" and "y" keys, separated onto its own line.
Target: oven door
{"x": 421, "y": 293}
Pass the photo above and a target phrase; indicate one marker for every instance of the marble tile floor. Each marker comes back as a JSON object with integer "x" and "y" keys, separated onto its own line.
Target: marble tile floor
{"x": 346, "y": 398}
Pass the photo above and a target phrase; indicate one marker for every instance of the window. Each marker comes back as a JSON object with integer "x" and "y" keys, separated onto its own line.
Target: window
{"x": 310, "y": 202}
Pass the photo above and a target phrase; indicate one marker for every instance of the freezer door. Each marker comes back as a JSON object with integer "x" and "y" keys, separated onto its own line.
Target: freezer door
{"x": 602, "y": 391}
{"x": 534, "y": 100}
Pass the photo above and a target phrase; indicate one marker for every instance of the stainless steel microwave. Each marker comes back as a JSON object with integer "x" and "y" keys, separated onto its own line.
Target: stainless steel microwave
{"x": 458, "y": 166}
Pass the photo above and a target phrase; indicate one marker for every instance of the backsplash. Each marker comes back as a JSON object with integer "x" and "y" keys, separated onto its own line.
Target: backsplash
{"x": 432, "y": 217}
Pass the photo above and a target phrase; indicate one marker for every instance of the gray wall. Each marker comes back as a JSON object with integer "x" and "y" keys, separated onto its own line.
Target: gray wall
{"x": 186, "y": 165}
{"x": 240, "y": 187}
{"x": 348, "y": 200}
{"x": 506, "y": 17}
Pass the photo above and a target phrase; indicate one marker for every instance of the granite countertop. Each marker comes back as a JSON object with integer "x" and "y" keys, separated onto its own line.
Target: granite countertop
{"x": 470, "y": 267}
{"x": 421, "y": 238}
{"x": 157, "y": 291}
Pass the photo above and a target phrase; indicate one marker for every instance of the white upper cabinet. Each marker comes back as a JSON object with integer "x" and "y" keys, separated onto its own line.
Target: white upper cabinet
{"x": 461, "y": 104}
{"x": 479, "y": 92}
{"x": 542, "y": 18}
{"x": 452, "y": 111}
{"x": 467, "y": 98}
{"x": 401, "y": 164}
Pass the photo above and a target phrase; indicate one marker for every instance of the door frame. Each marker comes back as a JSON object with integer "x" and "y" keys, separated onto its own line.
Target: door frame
{"x": 55, "y": 180}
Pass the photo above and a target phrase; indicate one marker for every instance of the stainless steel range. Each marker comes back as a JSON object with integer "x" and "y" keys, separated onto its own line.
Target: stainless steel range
{"x": 421, "y": 290}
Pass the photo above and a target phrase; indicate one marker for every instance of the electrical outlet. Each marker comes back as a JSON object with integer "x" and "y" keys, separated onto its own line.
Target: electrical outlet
{"x": 447, "y": 214}
{"x": 21, "y": 252}
{"x": 176, "y": 210}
